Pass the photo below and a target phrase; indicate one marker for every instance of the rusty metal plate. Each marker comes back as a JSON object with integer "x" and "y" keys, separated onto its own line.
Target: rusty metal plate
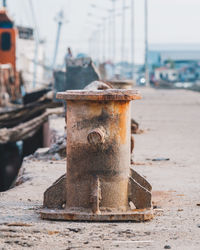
{"x": 100, "y": 95}
{"x": 137, "y": 215}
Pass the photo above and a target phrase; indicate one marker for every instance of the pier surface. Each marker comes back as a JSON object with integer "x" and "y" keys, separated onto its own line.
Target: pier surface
{"x": 167, "y": 153}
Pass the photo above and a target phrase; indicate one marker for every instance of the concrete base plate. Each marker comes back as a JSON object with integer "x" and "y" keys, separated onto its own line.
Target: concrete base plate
{"x": 137, "y": 215}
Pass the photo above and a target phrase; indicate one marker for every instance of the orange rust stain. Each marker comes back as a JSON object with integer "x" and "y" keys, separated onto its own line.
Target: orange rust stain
{"x": 9, "y": 56}
{"x": 121, "y": 109}
{"x": 96, "y": 108}
{"x": 139, "y": 210}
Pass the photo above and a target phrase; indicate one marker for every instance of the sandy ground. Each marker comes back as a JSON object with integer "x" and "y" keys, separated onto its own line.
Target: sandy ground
{"x": 171, "y": 119}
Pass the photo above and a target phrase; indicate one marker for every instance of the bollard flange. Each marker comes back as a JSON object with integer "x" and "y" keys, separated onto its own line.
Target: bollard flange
{"x": 137, "y": 215}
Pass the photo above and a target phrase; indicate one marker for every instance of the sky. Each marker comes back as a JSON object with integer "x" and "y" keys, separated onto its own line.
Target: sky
{"x": 170, "y": 21}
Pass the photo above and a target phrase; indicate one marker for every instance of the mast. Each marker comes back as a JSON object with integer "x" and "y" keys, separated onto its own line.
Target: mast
{"x": 37, "y": 41}
{"x": 59, "y": 19}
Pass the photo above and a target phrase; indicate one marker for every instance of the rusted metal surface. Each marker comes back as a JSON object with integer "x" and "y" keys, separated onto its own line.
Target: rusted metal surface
{"x": 10, "y": 83}
{"x": 109, "y": 160}
{"x": 100, "y": 95}
{"x": 55, "y": 196}
{"x": 120, "y": 84}
{"x": 139, "y": 190}
{"x": 137, "y": 215}
{"x": 140, "y": 179}
{"x": 98, "y": 158}
{"x": 96, "y": 136}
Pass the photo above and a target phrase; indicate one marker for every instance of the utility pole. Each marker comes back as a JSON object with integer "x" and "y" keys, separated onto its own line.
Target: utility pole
{"x": 90, "y": 48}
{"x": 146, "y": 44}
{"x": 96, "y": 45}
{"x": 110, "y": 36}
{"x": 104, "y": 40}
{"x": 132, "y": 39}
{"x": 107, "y": 27}
{"x": 93, "y": 40}
{"x": 123, "y": 34}
{"x": 37, "y": 41}
{"x": 99, "y": 42}
{"x": 114, "y": 31}
{"x": 60, "y": 20}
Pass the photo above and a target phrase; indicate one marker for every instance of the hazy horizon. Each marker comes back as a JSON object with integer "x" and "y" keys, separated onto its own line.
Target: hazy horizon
{"x": 170, "y": 22}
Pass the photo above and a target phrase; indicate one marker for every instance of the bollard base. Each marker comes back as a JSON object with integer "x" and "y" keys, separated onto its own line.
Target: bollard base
{"x": 137, "y": 215}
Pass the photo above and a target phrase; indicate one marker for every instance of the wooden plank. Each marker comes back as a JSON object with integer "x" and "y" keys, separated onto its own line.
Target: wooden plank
{"x": 26, "y": 129}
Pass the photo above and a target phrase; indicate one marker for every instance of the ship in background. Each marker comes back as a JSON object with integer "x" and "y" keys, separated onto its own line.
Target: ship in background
{"x": 20, "y": 73}
{"x": 24, "y": 98}
{"x": 10, "y": 78}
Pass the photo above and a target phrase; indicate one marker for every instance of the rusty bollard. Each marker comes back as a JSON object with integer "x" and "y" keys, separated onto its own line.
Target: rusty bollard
{"x": 99, "y": 184}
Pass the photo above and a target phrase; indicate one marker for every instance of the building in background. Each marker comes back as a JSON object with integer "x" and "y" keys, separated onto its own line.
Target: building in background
{"x": 174, "y": 63}
{"x": 159, "y": 54}
{"x": 164, "y": 73}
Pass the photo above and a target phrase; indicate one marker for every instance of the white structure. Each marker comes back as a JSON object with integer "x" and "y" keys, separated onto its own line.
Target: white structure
{"x": 26, "y": 46}
{"x": 167, "y": 74}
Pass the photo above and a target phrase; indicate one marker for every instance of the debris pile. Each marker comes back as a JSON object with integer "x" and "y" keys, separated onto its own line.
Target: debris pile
{"x": 56, "y": 152}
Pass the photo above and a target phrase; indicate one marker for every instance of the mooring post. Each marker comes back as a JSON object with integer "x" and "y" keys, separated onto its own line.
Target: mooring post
{"x": 98, "y": 185}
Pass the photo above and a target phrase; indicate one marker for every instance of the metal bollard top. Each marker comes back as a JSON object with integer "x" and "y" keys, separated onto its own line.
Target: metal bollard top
{"x": 100, "y": 95}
